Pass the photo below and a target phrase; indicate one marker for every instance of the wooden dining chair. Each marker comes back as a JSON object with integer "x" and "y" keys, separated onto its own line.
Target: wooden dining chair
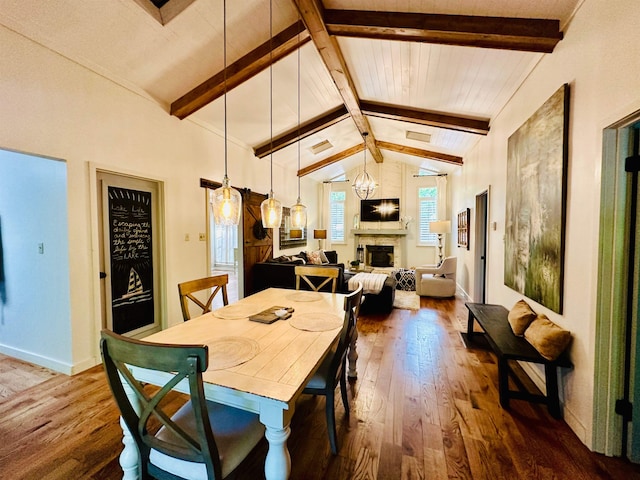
{"x": 202, "y": 439}
{"x": 332, "y": 370}
{"x": 328, "y": 273}
{"x": 216, "y": 283}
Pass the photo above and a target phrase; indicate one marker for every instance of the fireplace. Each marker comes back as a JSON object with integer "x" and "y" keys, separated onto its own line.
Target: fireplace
{"x": 380, "y": 255}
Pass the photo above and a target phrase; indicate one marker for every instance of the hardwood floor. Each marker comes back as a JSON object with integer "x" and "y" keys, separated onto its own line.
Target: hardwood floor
{"x": 423, "y": 407}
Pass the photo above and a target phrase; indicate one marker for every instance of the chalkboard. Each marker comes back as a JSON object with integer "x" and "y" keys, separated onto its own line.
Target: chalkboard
{"x": 130, "y": 243}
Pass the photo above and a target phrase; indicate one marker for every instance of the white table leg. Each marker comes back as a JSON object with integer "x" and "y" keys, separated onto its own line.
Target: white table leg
{"x": 277, "y": 465}
{"x": 130, "y": 457}
{"x": 352, "y": 356}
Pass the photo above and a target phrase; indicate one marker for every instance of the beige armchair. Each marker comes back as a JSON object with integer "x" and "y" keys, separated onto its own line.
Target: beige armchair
{"x": 437, "y": 281}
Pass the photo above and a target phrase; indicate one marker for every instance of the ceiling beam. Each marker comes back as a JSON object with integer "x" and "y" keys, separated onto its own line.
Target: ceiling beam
{"x": 296, "y": 134}
{"x": 312, "y": 13}
{"x": 425, "y": 117}
{"x": 417, "y": 152}
{"x": 332, "y": 159}
{"x": 242, "y": 70}
{"x": 522, "y": 34}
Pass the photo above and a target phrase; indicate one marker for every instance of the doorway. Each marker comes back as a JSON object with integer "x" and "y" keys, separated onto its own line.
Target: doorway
{"x": 130, "y": 246}
{"x": 480, "y": 257}
{"x": 617, "y": 369}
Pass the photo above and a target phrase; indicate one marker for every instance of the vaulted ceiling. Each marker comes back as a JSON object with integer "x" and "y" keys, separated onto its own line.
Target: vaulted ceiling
{"x": 442, "y": 70}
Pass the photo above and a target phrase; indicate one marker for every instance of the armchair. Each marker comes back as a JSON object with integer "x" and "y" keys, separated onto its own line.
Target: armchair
{"x": 437, "y": 281}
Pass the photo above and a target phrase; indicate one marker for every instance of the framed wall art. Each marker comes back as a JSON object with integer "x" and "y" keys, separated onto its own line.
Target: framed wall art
{"x": 537, "y": 156}
{"x": 463, "y": 228}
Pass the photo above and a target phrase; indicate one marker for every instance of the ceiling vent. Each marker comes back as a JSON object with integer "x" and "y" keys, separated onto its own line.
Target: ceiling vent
{"x": 321, "y": 147}
{"x": 421, "y": 137}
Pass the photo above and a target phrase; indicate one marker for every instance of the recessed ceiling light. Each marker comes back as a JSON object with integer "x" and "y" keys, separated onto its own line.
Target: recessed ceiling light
{"x": 421, "y": 137}
{"x": 321, "y": 147}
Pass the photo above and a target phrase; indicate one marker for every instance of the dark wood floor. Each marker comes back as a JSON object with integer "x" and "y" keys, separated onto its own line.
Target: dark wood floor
{"x": 424, "y": 407}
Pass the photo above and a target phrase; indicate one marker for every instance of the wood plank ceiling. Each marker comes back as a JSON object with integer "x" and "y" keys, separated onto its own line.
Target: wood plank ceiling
{"x": 440, "y": 69}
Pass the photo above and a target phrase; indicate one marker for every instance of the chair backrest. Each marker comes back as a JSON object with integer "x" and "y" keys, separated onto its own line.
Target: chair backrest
{"x": 351, "y": 306}
{"x": 187, "y": 289}
{"x": 182, "y": 362}
{"x": 449, "y": 267}
{"x": 328, "y": 273}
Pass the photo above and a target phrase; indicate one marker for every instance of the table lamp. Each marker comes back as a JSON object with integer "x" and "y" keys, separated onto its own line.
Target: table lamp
{"x": 320, "y": 235}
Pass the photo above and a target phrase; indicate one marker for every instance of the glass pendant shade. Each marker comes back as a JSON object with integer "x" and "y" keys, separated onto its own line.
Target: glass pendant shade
{"x": 364, "y": 185}
{"x": 271, "y": 212}
{"x": 298, "y": 214}
{"x": 227, "y": 204}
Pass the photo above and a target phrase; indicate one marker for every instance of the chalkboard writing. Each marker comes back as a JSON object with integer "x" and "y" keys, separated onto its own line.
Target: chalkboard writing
{"x": 131, "y": 258}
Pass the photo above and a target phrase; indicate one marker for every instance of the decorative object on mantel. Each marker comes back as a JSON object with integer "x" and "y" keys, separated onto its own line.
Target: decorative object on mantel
{"x": 463, "y": 228}
{"x": 364, "y": 184}
{"x": 537, "y": 157}
{"x": 227, "y": 201}
{"x": 271, "y": 209}
{"x": 298, "y": 211}
{"x": 440, "y": 227}
{"x": 405, "y": 221}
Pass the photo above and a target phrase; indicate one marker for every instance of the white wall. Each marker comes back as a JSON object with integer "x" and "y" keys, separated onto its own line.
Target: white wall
{"x": 600, "y": 59}
{"x": 33, "y": 211}
{"x": 56, "y": 108}
{"x": 395, "y": 180}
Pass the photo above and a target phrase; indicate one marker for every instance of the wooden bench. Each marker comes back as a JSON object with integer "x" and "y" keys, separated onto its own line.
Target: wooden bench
{"x": 507, "y": 346}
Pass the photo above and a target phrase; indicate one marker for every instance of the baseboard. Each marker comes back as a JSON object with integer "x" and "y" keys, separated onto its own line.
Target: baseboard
{"x": 30, "y": 357}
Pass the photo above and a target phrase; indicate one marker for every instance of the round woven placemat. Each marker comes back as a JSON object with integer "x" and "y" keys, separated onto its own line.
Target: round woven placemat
{"x": 315, "y": 322}
{"x": 304, "y": 297}
{"x": 227, "y": 352}
{"x": 235, "y": 312}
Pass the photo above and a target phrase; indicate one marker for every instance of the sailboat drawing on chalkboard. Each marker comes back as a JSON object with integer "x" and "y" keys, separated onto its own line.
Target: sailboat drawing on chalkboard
{"x": 135, "y": 291}
{"x": 135, "y": 284}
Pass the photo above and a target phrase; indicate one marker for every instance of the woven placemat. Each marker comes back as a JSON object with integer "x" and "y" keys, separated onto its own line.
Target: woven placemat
{"x": 304, "y": 296}
{"x": 315, "y": 321}
{"x": 227, "y": 352}
{"x": 236, "y": 311}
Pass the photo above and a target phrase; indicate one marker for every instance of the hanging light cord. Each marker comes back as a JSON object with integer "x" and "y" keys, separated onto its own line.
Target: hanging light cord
{"x": 271, "y": 87}
{"x": 224, "y": 30}
{"x": 298, "y": 173}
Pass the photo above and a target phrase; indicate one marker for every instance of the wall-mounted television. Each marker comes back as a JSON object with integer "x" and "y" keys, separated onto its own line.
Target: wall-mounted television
{"x": 380, "y": 210}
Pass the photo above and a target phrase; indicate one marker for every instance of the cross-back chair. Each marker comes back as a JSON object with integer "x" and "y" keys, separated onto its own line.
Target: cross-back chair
{"x": 218, "y": 283}
{"x": 332, "y": 370}
{"x": 203, "y": 439}
{"x": 330, "y": 274}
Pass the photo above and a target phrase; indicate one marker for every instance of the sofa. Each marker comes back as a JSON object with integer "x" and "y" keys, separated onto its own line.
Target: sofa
{"x": 280, "y": 272}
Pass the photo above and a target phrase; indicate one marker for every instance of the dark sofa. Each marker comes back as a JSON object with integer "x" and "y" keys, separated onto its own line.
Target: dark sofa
{"x": 280, "y": 272}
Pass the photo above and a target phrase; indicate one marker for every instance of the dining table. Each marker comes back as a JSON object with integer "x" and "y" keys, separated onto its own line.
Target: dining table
{"x": 255, "y": 366}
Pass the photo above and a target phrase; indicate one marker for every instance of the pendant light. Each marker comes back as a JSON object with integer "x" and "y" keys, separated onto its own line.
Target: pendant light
{"x": 271, "y": 209}
{"x": 298, "y": 211}
{"x": 227, "y": 201}
{"x": 364, "y": 185}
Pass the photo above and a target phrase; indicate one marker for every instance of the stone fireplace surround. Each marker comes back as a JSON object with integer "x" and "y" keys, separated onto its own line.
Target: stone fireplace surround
{"x": 387, "y": 237}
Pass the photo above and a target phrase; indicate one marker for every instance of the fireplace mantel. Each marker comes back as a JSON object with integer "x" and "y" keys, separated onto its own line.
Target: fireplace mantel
{"x": 387, "y": 232}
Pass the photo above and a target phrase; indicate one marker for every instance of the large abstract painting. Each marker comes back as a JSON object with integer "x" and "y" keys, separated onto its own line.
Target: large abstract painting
{"x": 536, "y": 202}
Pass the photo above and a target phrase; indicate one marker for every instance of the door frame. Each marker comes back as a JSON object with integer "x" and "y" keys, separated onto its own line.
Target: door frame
{"x": 97, "y": 241}
{"x": 612, "y": 289}
{"x": 481, "y": 249}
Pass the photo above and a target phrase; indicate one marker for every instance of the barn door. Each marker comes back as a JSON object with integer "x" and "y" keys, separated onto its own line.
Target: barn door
{"x": 257, "y": 241}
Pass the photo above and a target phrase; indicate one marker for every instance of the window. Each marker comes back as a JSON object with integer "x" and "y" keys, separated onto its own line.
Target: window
{"x": 427, "y": 212}
{"x": 336, "y": 216}
{"x": 224, "y": 242}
